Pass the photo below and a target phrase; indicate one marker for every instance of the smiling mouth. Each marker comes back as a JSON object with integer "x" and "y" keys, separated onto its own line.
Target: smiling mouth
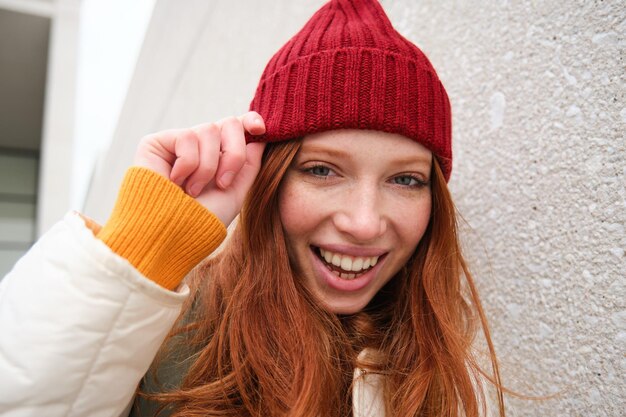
{"x": 345, "y": 266}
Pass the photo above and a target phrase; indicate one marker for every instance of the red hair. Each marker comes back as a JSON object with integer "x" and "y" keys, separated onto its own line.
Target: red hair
{"x": 263, "y": 346}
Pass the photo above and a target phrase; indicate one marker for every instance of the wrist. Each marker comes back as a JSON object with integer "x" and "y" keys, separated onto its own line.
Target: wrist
{"x": 159, "y": 229}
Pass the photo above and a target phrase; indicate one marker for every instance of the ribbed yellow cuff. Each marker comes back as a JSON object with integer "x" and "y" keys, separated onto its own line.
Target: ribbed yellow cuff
{"x": 162, "y": 231}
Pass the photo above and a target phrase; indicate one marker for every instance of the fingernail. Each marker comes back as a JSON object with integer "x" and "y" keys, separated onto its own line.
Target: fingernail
{"x": 196, "y": 189}
{"x": 226, "y": 179}
{"x": 258, "y": 121}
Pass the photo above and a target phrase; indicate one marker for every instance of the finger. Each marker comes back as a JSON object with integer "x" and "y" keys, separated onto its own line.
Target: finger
{"x": 160, "y": 144}
{"x": 187, "y": 158}
{"x": 209, "y": 154}
{"x": 233, "y": 152}
{"x": 250, "y": 169}
{"x": 253, "y": 123}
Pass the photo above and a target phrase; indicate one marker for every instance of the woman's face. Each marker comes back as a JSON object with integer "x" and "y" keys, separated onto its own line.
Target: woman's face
{"x": 354, "y": 204}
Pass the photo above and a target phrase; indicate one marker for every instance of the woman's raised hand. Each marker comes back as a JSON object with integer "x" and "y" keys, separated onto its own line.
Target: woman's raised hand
{"x": 211, "y": 162}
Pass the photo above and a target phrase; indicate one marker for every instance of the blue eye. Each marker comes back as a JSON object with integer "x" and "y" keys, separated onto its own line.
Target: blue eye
{"x": 404, "y": 180}
{"x": 408, "y": 181}
{"x": 319, "y": 170}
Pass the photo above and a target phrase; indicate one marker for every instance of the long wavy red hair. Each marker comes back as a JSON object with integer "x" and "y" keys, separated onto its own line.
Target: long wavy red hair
{"x": 262, "y": 346}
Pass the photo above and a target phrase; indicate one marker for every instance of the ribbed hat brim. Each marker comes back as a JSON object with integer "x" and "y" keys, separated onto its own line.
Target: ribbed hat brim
{"x": 356, "y": 88}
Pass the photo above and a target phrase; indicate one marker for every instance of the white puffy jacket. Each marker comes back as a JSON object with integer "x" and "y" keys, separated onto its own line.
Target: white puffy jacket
{"x": 79, "y": 327}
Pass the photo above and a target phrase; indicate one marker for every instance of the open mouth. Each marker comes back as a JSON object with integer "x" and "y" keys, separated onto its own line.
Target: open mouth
{"x": 346, "y": 266}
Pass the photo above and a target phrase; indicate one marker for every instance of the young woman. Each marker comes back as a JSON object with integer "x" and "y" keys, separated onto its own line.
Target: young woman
{"x": 342, "y": 290}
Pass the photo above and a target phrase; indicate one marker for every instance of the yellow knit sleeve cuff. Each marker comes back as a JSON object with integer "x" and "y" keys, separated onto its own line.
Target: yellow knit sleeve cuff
{"x": 159, "y": 229}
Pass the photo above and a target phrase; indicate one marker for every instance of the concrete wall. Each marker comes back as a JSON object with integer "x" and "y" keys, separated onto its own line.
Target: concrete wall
{"x": 539, "y": 117}
{"x": 539, "y": 113}
{"x": 55, "y": 169}
{"x": 105, "y": 65}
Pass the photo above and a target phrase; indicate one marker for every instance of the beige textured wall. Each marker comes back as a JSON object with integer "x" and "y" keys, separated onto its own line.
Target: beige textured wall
{"x": 539, "y": 113}
{"x": 539, "y": 108}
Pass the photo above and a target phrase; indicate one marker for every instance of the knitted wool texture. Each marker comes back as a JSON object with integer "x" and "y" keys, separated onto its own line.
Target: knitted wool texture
{"x": 349, "y": 68}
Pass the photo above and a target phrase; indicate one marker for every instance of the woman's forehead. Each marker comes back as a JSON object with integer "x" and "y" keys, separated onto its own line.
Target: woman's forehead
{"x": 351, "y": 142}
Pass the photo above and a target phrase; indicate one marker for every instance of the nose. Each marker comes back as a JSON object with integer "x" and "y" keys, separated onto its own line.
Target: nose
{"x": 361, "y": 216}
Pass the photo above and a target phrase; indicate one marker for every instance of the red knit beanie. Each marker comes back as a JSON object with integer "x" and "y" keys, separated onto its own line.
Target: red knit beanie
{"x": 349, "y": 68}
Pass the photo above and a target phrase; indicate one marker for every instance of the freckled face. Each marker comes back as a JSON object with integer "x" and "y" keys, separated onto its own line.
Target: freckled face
{"x": 354, "y": 204}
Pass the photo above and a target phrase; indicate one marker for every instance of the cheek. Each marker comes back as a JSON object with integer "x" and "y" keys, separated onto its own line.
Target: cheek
{"x": 297, "y": 210}
{"x": 412, "y": 223}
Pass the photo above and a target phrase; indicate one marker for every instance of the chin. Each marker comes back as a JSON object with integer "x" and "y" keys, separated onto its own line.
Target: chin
{"x": 344, "y": 307}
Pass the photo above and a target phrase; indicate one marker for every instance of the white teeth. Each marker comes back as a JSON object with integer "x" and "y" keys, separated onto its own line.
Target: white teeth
{"x": 366, "y": 263}
{"x": 357, "y": 264}
{"x": 346, "y": 263}
{"x": 349, "y": 263}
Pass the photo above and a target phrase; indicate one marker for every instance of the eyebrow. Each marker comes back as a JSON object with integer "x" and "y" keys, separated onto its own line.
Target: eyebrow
{"x": 321, "y": 149}
{"x": 338, "y": 153}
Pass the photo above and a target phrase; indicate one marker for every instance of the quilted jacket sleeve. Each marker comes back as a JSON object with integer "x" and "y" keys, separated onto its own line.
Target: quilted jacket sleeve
{"x": 79, "y": 327}
{"x": 84, "y": 312}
